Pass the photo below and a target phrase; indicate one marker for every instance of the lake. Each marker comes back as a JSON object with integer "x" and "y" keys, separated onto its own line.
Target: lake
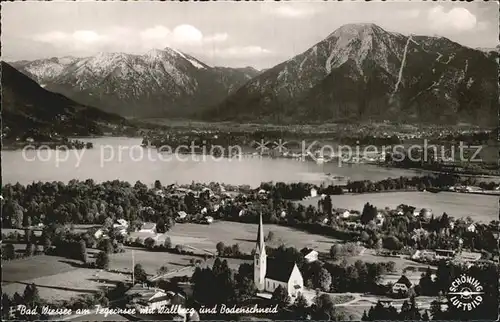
{"x": 120, "y": 158}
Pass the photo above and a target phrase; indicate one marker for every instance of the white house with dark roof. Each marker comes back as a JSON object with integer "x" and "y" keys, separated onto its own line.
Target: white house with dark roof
{"x": 269, "y": 274}
{"x": 402, "y": 285}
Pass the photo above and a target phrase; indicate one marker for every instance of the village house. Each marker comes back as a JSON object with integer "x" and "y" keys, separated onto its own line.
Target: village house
{"x": 403, "y": 284}
{"x": 121, "y": 222}
{"x": 445, "y": 254}
{"x": 148, "y": 227}
{"x": 314, "y": 193}
{"x": 310, "y": 255}
{"x": 143, "y": 297}
{"x": 269, "y": 274}
{"x": 99, "y": 233}
{"x": 344, "y": 213}
{"x": 120, "y": 227}
{"x": 425, "y": 213}
{"x": 471, "y": 228}
{"x": 181, "y": 216}
{"x": 379, "y": 219}
{"x": 207, "y": 220}
{"x": 468, "y": 256}
{"x": 424, "y": 254}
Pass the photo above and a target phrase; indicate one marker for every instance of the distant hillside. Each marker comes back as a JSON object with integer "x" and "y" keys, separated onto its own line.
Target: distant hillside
{"x": 362, "y": 72}
{"x": 27, "y": 108}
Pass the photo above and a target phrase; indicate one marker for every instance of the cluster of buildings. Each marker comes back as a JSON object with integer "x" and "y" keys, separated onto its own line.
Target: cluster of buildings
{"x": 468, "y": 258}
{"x": 153, "y": 303}
{"x": 119, "y": 227}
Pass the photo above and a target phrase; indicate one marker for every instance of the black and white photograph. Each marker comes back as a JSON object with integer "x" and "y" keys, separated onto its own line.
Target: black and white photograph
{"x": 250, "y": 160}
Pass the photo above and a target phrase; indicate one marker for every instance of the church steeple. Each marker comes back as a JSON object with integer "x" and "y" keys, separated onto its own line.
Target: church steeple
{"x": 260, "y": 259}
{"x": 260, "y": 236}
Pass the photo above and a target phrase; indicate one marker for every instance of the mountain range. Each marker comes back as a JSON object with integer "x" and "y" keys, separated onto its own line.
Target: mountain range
{"x": 360, "y": 72}
{"x": 160, "y": 83}
{"x": 30, "y": 110}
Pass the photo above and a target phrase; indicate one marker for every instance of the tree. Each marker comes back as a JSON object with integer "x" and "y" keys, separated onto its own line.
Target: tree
{"x": 413, "y": 313}
{"x": 167, "y": 243}
{"x": 426, "y": 284}
{"x": 436, "y": 311}
{"x": 327, "y": 205}
{"x": 324, "y": 279}
{"x": 369, "y": 213}
{"x": 392, "y": 243}
{"x": 270, "y": 236}
{"x": 220, "y": 248}
{"x": 6, "y": 304}
{"x": 106, "y": 245}
{"x": 160, "y": 226}
{"x": 336, "y": 251}
{"x": 140, "y": 274}
{"x": 324, "y": 307}
{"x": 162, "y": 270}
{"x": 280, "y": 296}
{"x": 364, "y": 237}
{"x": 83, "y": 251}
{"x": 47, "y": 236}
{"x": 149, "y": 243}
{"x": 29, "y": 248}
{"x": 301, "y": 306}
{"x": 246, "y": 289}
{"x": 425, "y": 316}
{"x": 8, "y": 251}
{"x": 225, "y": 283}
{"x": 102, "y": 260}
{"x": 365, "y": 316}
{"x": 235, "y": 250}
{"x": 31, "y": 295}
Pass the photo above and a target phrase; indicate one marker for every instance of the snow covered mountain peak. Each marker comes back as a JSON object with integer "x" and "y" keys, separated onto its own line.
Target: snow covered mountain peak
{"x": 357, "y": 30}
{"x": 155, "y": 53}
{"x": 158, "y": 82}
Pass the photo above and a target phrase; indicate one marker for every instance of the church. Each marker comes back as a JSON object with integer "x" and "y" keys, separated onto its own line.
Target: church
{"x": 269, "y": 274}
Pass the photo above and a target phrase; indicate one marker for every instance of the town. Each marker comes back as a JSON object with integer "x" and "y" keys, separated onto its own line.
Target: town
{"x": 160, "y": 246}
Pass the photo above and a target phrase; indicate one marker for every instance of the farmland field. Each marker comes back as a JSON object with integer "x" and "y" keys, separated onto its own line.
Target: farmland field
{"x": 245, "y": 235}
{"x": 478, "y": 207}
{"x": 34, "y": 267}
{"x": 57, "y": 278}
{"x": 151, "y": 261}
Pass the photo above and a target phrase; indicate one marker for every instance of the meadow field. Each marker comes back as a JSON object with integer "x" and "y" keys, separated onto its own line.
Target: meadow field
{"x": 245, "y": 235}
{"x": 481, "y": 208}
{"x": 57, "y": 278}
{"x": 60, "y": 278}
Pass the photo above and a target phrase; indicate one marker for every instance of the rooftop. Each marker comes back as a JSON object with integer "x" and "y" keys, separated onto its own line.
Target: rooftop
{"x": 279, "y": 271}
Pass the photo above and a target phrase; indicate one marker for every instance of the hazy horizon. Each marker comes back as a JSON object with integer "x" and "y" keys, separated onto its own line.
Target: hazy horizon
{"x": 256, "y": 34}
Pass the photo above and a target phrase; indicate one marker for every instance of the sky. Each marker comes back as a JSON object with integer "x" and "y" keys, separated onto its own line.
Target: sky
{"x": 233, "y": 34}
